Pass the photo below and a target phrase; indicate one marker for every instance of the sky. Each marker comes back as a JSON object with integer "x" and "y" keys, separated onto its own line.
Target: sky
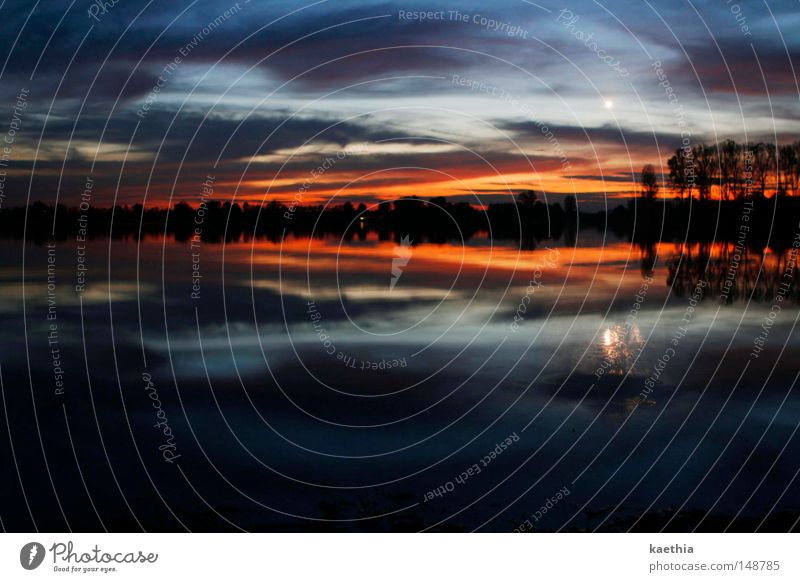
{"x": 370, "y": 101}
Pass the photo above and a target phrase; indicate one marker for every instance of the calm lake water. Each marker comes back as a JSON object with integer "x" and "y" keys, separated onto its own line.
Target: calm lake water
{"x": 366, "y": 384}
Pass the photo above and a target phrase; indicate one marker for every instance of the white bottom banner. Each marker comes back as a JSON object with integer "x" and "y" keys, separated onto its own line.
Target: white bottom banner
{"x": 370, "y": 557}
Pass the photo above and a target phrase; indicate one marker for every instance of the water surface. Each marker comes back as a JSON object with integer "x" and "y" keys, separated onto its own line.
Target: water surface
{"x": 361, "y": 383}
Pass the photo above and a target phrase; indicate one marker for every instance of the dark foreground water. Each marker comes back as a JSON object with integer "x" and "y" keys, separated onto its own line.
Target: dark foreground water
{"x": 365, "y": 384}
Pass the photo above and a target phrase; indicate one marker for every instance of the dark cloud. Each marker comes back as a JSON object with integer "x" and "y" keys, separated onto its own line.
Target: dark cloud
{"x": 364, "y": 42}
{"x": 730, "y": 66}
{"x": 190, "y": 137}
{"x": 604, "y": 178}
{"x": 708, "y": 51}
{"x": 599, "y": 136}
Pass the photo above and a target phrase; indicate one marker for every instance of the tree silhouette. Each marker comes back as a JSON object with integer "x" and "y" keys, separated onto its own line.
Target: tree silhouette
{"x": 763, "y": 160}
{"x": 649, "y": 182}
{"x": 570, "y": 205}
{"x": 705, "y": 164}
{"x": 789, "y": 163}
{"x": 679, "y": 170}
{"x": 526, "y": 198}
{"x": 730, "y": 163}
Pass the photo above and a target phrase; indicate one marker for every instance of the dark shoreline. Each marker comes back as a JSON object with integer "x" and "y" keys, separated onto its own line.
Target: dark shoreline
{"x": 762, "y": 222}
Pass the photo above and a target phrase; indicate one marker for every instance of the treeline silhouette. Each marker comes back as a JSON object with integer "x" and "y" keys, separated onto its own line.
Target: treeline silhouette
{"x": 729, "y": 171}
{"x": 709, "y": 234}
{"x": 433, "y": 220}
{"x": 527, "y": 219}
{"x": 723, "y": 191}
{"x": 731, "y": 273}
{"x": 761, "y": 221}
